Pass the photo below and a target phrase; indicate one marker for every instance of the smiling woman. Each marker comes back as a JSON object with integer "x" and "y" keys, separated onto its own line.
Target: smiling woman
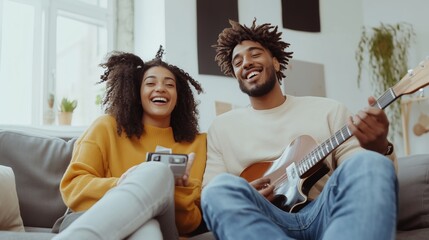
{"x": 158, "y": 96}
{"x": 150, "y": 107}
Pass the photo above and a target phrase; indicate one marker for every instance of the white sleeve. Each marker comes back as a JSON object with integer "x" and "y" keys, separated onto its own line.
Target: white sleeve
{"x": 215, "y": 163}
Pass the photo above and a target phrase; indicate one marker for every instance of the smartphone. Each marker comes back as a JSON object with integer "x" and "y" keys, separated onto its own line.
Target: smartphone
{"x": 177, "y": 162}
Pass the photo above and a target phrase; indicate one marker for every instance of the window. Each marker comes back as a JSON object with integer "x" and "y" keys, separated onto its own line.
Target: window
{"x": 52, "y": 48}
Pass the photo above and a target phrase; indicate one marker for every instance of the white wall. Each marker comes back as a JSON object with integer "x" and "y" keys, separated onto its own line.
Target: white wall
{"x": 334, "y": 46}
{"x": 149, "y": 27}
{"x": 413, "y": 11}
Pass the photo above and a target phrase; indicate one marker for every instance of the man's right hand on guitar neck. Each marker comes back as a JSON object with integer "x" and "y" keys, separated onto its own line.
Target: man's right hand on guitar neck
{"x": 370, "y": 126}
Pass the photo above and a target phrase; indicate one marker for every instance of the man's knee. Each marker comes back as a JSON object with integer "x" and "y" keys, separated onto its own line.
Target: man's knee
{"x": 371, "y": 168}
{"x": 221, "y": 185}
{"x": 369, "y": 160}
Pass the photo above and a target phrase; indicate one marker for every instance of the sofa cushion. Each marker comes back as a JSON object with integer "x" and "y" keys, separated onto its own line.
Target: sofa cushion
{"x": 39, "y": 162}
{"x": 417, "y": 234}
{"x": 413, "y": 176}
{"x": 10, "y": 217}
{"x": 26, "y": 235}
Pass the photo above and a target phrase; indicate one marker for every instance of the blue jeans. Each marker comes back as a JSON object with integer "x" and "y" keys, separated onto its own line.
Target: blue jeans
{"x": 359, "y": 201}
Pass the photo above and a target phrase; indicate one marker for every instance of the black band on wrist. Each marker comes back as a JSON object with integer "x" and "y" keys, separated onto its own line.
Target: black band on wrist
{"x": 389, "y": 149}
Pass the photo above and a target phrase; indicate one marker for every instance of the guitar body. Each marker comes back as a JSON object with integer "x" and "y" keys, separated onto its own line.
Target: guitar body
{"x": 290, "y": 192}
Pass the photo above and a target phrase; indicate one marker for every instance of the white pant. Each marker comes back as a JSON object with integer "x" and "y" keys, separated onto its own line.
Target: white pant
{"x": 141, "y": 207}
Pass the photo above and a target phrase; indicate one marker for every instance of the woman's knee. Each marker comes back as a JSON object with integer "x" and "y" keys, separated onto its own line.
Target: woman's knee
{"x": 149, "y": 230}
{"x": 151, "y": 174}
{"x": 157, "y": 171}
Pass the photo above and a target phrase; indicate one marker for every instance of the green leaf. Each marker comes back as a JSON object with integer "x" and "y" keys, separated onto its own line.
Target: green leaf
{"x": 385, "y": 50}
{"x": 68, "y": 105}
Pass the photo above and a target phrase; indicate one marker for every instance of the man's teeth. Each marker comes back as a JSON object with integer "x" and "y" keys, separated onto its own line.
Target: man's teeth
{"x": 252, "y": 74}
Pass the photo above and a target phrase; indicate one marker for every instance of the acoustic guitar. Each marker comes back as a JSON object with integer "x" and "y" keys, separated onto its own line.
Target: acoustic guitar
{"x": 301, "y": 164}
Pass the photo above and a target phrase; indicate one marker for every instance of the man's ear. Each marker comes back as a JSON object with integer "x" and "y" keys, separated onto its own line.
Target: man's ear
{"x": 276, "y": 64}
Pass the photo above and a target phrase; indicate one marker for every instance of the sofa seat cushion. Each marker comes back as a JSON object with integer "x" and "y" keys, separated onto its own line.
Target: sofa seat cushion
{"x": 26, "y": 235}
{"x": 417, "y": 234}
{"x": 39, "y": 163}
{"x": 413, "y": 176}
{"x": 10, "y": 217}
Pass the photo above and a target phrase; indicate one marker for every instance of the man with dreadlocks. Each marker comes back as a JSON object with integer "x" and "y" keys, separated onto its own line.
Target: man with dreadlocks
{"x": 149, "y": 106}
{"x": 356, "y": 199}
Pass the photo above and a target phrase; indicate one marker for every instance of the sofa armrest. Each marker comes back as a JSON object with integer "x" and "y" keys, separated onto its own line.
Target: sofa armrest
{"x": 413, "y": 176}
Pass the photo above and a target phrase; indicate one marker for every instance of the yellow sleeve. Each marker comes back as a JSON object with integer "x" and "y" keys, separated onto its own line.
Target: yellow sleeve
{"x": 87, "y": 179}
{"x": 84, "y": 183}
{"x": 188, "y": 213}
{"x": 187, "y": 199}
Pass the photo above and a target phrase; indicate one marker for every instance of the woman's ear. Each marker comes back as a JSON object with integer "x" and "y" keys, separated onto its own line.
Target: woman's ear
{"x": 276, "y": 64}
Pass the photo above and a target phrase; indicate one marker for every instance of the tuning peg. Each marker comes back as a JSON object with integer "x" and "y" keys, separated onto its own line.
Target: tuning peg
{"x": 421, "y": 92}
{"x": 410, "y": 72}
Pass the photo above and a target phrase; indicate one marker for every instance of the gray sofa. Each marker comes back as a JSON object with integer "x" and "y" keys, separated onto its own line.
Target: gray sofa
{"x": 39, "y": 161}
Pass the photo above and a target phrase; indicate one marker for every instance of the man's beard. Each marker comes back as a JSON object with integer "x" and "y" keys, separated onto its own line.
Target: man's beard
{"x": 259, "y": 90}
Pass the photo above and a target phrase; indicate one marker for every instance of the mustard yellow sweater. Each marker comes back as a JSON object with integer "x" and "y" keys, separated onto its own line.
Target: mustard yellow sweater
{"x": 101, "y": 156}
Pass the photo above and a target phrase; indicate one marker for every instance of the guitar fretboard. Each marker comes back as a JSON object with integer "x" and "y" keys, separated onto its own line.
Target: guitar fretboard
{"x": 324, "y": 149}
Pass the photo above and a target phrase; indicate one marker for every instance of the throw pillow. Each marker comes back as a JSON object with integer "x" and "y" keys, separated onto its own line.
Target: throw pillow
{"x": 10, "y": 217}
{"x": 39, "y": 162}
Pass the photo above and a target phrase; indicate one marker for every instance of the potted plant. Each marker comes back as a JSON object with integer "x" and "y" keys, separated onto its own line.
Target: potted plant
{"x": 99, "y": 99}
{"x": 65, "y": 112}
{"x": 387, "y": 48}
{"x": 49, "y": 116}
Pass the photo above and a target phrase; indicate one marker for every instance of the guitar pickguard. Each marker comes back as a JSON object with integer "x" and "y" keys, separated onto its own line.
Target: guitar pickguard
{"x": 292, "y": 194}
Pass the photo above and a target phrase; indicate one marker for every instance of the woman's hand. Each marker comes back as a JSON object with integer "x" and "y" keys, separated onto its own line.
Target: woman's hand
{"x": 183, "y": 181}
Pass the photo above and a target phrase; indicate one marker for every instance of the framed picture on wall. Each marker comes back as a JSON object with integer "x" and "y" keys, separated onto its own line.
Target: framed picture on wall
{"x": 212, "y": 18}
{"x": 304, "y": 79}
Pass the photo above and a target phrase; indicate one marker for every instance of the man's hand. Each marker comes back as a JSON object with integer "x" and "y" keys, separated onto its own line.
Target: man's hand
{"x": 264, "y": 187}
{"x": 370, "y": 126}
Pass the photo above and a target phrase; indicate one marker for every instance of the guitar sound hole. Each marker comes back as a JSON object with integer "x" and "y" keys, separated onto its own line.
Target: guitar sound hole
{"x": 280, "y": 201}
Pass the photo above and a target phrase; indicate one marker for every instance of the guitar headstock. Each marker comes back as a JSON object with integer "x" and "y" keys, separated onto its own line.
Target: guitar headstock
{"x": 414, "y": 80}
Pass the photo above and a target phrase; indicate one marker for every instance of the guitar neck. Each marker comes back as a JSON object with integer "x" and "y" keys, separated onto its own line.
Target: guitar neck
{"x": 339, "y": 137}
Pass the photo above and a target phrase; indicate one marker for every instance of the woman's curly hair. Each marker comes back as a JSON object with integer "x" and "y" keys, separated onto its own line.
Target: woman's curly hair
{"x": 265, "y": 34}
{"x": 124, "y": 75}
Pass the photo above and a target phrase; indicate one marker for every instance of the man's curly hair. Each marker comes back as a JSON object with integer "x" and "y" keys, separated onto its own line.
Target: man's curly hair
{"x": 265, "y": 34}
{"x": 123, "y": 77}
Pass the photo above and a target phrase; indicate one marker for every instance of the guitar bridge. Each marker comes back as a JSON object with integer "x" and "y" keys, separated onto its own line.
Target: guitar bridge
{"x": 292, "y": 173}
